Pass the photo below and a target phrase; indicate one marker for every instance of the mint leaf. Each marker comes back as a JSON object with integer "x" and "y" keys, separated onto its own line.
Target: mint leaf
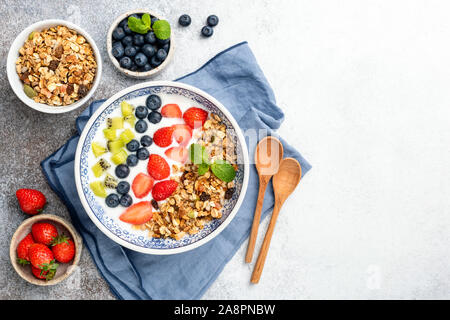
{"x": 137, "y": 25}
{"x": 198, "y": 154}
{"x": 147, "y": 20}
{"x": 161, "y": 29}
{"x": 223, "y": 170}
{"x": 203, "y": 168}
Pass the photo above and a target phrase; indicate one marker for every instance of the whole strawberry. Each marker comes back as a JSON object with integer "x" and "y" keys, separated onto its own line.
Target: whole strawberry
{"x": 41, "y": 257}
{"x": 44, "y": 232}
{"x": 158, "y": 167}
{"x": 63, "y": 249}
{"x": 38, "y": 273}
{"x": 31, "y": 201}
{"x": 22, "y": 249}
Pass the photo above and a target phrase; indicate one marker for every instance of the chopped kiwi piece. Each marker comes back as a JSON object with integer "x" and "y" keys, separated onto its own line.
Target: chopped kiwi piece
{"x": 119, "y": 157}
{"x": 126, "y": 136}
{"x": 98, "y": 188}
{"x": 110, "y": 134}
{"x": 98, "y": 149}
{"x": 100, "y": 167}
{"x": 130, "y": 119}
{"x": 110, "y": 182}
{"x": 114, "y": 123}
{"x": 127, "y": 108}
{"x": 115, "y": 146}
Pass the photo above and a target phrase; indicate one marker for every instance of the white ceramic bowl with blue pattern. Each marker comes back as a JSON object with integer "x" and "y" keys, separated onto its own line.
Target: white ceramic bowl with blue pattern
{"x": 107, "y": 219}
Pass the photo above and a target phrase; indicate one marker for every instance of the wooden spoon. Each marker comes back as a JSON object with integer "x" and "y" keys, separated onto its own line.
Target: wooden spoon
{"x": 268, "y": 155}
{"x": 284, "y": 183}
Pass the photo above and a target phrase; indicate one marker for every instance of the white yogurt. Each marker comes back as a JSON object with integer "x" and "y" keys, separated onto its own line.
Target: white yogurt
{"x": 184, "y": 104}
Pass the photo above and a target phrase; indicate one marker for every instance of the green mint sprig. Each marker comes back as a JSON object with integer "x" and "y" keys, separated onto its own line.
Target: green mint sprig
{"x": 220, "y": 168}
{"x": 142, "y": 25}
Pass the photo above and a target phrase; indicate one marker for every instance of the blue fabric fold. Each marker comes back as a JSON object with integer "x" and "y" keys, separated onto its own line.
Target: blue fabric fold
{"x": 234, "y": 78}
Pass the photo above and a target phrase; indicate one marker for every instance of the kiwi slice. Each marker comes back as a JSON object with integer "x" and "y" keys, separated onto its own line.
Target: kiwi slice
{"x": 98, "y": 149}
{"x": 119, "y": 157}
{"x": 110, "y": 134}
{"x": 127, "y": 108}
{"x": 126, "y": 136}
{"x": 98, "y": 188}
{"x": 114, "y": 123}
{"x": 130, "y": 119}
{"x": 100, "y": 167}
{"x": 115, "y": 146}
{"x": 110, "y": 181}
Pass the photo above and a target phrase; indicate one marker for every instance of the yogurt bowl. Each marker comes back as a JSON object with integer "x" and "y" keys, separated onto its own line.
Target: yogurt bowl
{"x": 107, "y": 218}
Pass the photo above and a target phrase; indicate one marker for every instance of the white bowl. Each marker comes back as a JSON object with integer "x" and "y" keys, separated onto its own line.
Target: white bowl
{"x": 135, "y": 74}
{"x": 17, "y": 84}
{"x": 106, "y": 219}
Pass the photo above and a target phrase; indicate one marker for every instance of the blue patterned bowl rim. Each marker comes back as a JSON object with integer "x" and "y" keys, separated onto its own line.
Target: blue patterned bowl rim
{"x": 107, "y": 224}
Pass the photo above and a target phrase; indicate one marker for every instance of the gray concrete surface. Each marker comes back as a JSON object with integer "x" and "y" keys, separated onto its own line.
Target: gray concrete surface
{"x": 364, "y": 86}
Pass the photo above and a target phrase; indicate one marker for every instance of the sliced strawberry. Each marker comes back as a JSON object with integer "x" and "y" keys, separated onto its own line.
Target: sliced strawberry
{"x": 164, "y": 189}
{"x": 158, "y": 167}
{"x": 171, "y": 111}
{"x": 163, "y": 137}
{"x": 182, "y": 133}
{"x": 195, "y": 117}
{"x": 142, "y": 185}
{"x": 179, "y": 154}
{"x": 138, "y": 213}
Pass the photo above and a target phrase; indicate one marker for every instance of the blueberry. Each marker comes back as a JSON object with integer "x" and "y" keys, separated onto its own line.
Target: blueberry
{"x": 132, "y": 160}
{"x": 141, "y": 126}
{"x": 161, "y": 54}
{"x": 140, "y": 59}
{"x": 138, "y": 40}
{"x": 112, "y": 200}
{"x": 150, "y": 37}
{"x": 117, "y": 50}
{"x": 163, "y": 42}
{"x": 212, "y": 20}
{"x": 133, "y": 145}
{"x": 123, "y": 187}
{"x": 126, "y": 200}
{"x": 127, "y": 29}
{"x": 148, "y": 50}
{"x": 123, "y": 22}
{"x": 184, "y": 20}
{"x": 154, "y": 117}
{"x": 154, "y": 61}
{"x": 146, "y": 141}
{"x": 166, "y": 47}
{"x": 133, "y": 67}
{"x": 125, "y": 62}
{"x": 207, "y": 31}
{"x": 153, "y": 20}
{"x": 142, "y": 154}
{"x": 147, "y": 67}
{"x": 153, "y": 102}
{"x": 118, "y": 33}
{"x": 130, "y": 51}
{"x": 127, "y": 41}
{"x": 141, "y": 112}
{"x": 122, "y": 171}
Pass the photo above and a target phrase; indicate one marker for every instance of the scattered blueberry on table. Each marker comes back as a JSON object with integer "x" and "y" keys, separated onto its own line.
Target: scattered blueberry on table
{"x": 212, "y": 20}
{"x": 207, "y": 31}
{"x": 141, "y": 42}
{"x": 184, "y": 20}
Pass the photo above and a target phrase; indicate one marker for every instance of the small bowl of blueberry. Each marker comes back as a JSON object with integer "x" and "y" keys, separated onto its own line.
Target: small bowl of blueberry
{"x": 139, "y": 43}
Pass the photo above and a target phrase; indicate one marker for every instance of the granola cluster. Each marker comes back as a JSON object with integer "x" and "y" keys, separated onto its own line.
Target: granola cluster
{"x": 57, "y": 66}
{"x": 198, "y": 198}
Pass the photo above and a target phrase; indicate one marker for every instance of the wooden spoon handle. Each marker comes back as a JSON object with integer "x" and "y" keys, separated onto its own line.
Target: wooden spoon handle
{"x": 256, "y": 218}
{"x": 257, "y": 271}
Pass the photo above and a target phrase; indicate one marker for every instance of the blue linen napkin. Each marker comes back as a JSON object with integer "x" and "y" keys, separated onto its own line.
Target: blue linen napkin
{"x": 234, "y": 78}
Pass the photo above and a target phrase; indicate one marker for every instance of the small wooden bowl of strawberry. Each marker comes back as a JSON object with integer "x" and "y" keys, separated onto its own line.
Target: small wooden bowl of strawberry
{"x": 45, "y": 249}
